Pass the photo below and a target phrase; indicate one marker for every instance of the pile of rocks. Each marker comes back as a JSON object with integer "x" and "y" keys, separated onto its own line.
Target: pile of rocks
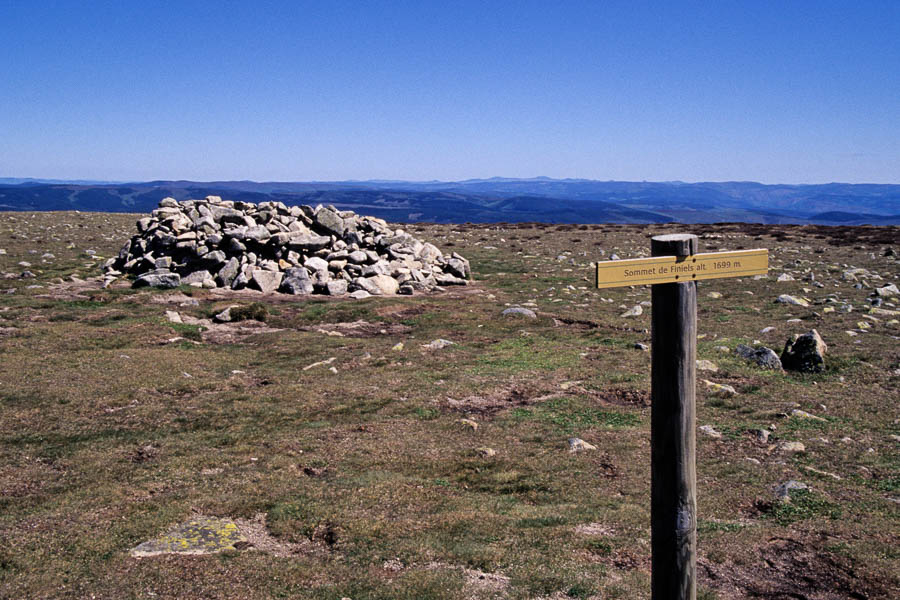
{"x": 273, "y": 247}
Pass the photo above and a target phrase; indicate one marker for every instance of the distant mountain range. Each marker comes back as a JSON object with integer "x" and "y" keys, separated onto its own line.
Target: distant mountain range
{"x": 539, "y": 199}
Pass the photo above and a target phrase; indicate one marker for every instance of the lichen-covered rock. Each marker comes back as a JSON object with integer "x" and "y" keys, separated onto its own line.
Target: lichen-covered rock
{"x": 221, "y": 243}
{"x": 805, "y": 353}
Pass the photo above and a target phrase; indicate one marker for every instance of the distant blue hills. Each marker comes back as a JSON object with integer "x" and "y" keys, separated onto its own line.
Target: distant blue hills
{"x": 498, "y": 199}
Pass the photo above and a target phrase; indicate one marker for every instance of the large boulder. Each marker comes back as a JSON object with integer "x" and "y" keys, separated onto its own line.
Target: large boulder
{"x": 805, "y": 353}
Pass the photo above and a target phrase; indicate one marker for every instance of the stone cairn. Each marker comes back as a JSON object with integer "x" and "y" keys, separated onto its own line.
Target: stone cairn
{"x": 215, "y": 243}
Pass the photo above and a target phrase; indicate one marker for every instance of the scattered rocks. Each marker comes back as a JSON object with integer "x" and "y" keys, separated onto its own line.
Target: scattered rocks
{"x": 805, "y": 353}
{"x": 271, "y": 247}
{"x": 762, "y": 356}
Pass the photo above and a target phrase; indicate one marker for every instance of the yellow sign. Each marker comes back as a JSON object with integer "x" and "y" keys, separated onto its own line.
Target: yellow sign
{"x": 678, "y": 269}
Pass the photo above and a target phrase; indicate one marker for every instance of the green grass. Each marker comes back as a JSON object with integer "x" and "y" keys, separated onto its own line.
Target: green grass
{"x": 804, "y": 504}
{"x": 105, "y": 442}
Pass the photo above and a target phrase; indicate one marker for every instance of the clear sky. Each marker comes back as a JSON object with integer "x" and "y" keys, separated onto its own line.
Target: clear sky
{"x": 792, "y": 92}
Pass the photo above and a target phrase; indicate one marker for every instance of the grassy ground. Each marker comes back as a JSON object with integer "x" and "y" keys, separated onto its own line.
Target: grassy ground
{"x": 111, "y": 433}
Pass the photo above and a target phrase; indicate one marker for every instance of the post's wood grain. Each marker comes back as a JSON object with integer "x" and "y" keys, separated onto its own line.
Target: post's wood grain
{"x": 673, "y": 437}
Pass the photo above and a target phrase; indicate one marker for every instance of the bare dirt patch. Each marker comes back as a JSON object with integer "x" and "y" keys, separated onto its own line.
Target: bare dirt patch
{"x": 790, "y": 569}
{"x": 490, "y": 404}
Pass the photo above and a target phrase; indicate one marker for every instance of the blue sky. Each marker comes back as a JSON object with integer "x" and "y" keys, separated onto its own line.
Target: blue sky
{"x": 793, "y": 92}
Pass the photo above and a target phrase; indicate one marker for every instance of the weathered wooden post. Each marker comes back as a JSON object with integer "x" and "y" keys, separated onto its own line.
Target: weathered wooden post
{"x": 672, "y": 273}
{"x": 673, "y": 502}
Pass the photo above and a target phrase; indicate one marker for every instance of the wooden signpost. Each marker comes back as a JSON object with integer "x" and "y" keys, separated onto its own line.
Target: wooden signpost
{"x": 672, "y": 272}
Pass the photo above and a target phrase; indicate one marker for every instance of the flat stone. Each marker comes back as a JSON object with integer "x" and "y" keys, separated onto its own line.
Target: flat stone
{"x": 788, "y": 299}
{"x": 160, "y": 280}
{"x": 710, "y": 431}
{"x": 201, "y": 535}
{"x": 516, "y": 310}
{"x": 635, "y": 311}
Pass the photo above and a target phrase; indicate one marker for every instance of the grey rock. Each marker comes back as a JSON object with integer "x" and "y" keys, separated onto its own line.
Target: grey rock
{"x": 266, "y": 281}
{"x": 788, "y": 299}
{"x": 783, "y": 490}
{"x": 805, "y": 353}
{"x": 196, "y": 277}
{"x": 316, "y": 264}
{"x": 225, "y": 276}
{"x": 158, "y": 279}
{"x": 710, "y": 431}
{"x": 296, "y": 286}
{"x": 336, "y": 287}
{"x": 330, "y": 220}
{"x": 763, "y": 357}
{"x": 358, "y": 257}
{"x": 360, "y": 294}
{"x": 516, "y": 310}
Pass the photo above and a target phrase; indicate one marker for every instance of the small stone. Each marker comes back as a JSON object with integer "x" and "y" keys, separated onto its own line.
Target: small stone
{"x": 173, "y": 317}
{"x": 714, "y": 295}
{"x": 710, "y": 431}
{"x": 516, "y": 310}
{"x": 783, "y": 490}
{"x": 635, "y": 311}
{"x": 785, "y": 277}
{"x": 792, "y": 447}
{"x": 707, "y": 365}
{"x": 469, "y": 423}
{"x": 224, "y": 316}
{"x": 360, "y": 294}
{"x": 579, "y": 445}
{"x": 719, "y": 390}
{"x": 486, "y": 452}
{"x": 438, "y": 344}
{"x": 787, "y": 299}
{"x": 762, "y": 435}
{"x": 762, "y": 356}
{"x": 642, "y": 346}
{"x": 802, "y": 414}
